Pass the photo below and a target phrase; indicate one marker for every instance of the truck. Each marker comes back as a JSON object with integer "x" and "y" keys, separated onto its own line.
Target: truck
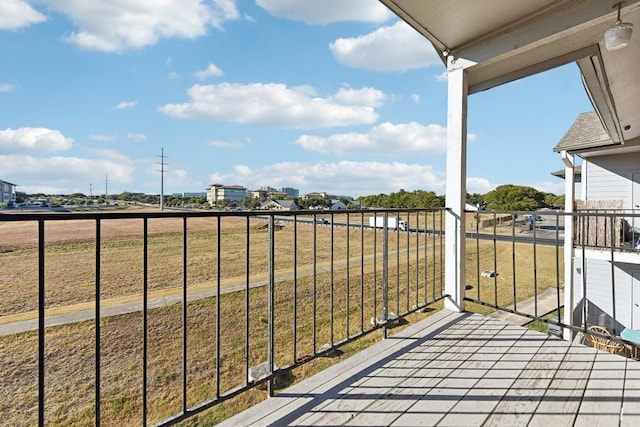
{"x": 393, "y": 223}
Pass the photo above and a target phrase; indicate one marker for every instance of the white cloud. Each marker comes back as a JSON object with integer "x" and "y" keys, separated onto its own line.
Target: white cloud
{"x": 105, "y": 138}
{"x": 32, "y": 139}
{"x": 6, "y": 87}
{"x": 60, "y": 175}
{"x": 393, "y": 48}
{"x": 173, "y": 75}
{"x": 442, "y": 77}
{"x": 386, "y": 138}
{"x": 138, "y": 137}
{"x": 479, "y": 185}
{"x": 327, "y": 11}
{"x": 211, "y": 71}
{"x": 126, "y": 104}
{"x": 278, "y": 106}
{"x": 556, "y": 188}
{"x": 344, "y": 177}
{"x": 236, "y": 145}
{"x": 415, "y": 98}
{"x": 117, "y": 25}
{"x": 16, "y": 14}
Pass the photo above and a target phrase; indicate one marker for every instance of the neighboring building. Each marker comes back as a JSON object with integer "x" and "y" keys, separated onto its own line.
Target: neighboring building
{"x": 317, "y": 195}
{"x": 609, "y": 181}
{"x": 338, "y": 205}
{"x": 227, "y": 193}
{"x": 259, "y": 194}
{"x": 267, "y": 191}
{"x": 191, "y": 195}
{"x": 280, "y": 205}
{"x": 577, "y": 179}
{"x": 7, "y": 192}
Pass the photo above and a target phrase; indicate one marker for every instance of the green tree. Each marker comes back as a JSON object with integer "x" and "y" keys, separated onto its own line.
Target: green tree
{"x": 515, "y": 198}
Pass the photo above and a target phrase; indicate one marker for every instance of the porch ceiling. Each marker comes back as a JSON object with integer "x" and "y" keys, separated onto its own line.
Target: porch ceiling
{"x": 500, "y": 41}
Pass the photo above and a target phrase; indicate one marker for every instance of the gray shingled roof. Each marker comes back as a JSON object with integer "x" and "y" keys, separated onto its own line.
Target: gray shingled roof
{"x": 585, "y": 133}
{"x": 577, "y": 171}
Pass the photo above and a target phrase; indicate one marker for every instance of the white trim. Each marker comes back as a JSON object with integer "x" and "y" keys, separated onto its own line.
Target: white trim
{"x": 456, "y": 189}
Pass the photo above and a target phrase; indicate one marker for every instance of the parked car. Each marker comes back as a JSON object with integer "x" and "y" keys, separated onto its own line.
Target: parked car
{"x": 532, "y": 218}
{"x": 322, "y": 221}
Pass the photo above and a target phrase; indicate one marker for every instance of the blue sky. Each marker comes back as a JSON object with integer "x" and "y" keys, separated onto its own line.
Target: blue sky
{"x": 319, "y": 95}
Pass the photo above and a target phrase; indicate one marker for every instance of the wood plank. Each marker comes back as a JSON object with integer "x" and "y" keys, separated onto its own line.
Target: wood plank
{"x": 562, "y": 399}
{"x": 630, "y": 413}
{"x": 480, "y": 401}
{"x": 602, "y": 399}
{"x": 520, "y": 401}
{"x": 300, "y": 398}
{"x": 391, "y": 398}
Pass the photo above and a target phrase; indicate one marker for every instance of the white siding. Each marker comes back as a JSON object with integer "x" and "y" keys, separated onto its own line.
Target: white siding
{"x": 599, "y": 291}
{"x": 609, "y": 177}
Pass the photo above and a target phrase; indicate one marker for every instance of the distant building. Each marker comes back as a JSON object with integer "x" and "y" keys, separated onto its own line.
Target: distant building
{"x": 337, "y": 205}
{"x": 280, "y": 205}
{"x": 7, "y": 192}
{"x": 191, "y": 195}
{"x": 316, "y": 195}
{"x": 226, "y": 193}
{"x": 266, "y": 191}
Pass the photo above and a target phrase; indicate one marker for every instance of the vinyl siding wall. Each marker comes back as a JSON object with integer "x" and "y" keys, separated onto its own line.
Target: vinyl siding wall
{"x": 599, "y": 291}
{"x": 609, "y": 177}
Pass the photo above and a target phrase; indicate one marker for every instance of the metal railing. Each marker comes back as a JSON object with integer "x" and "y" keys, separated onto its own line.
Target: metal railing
{"x": 153, "y": 317}
{"x": 517, "y": 261}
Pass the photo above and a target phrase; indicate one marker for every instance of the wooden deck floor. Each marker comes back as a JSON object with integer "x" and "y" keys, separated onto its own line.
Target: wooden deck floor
{"x": 464, "y": 369}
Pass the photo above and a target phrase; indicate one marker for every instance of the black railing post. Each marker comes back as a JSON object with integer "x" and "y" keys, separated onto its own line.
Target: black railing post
{"x": 145, "y": 317}
{"x": 385, "y": 274}
{"x": 270, "y": 303}
{"x": 41, "y": 307}
{"x": 185, "y": 326}
{"x": 97, "y": 316}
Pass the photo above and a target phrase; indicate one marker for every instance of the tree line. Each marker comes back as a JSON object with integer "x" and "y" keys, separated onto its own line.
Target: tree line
{"x": 504, "y": 197}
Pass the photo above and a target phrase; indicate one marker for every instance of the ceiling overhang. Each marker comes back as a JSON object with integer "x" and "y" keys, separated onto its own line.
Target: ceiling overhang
{"x": 498, "y": 41}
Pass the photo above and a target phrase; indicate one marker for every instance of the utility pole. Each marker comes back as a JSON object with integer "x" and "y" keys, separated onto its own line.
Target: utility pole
{"x": 162, "y": 171}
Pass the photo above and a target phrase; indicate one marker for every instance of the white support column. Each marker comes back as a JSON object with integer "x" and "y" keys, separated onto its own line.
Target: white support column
{"x": 455, "y": 281}
{"x": 569, "y": 197}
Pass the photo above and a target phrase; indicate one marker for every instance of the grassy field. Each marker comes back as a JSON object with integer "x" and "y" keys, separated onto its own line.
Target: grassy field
{"x": 331, "y": 306}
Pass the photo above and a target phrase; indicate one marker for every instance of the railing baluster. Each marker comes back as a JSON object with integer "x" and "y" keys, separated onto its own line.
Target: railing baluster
{"x": 612, "y": 265}
{"x": 331, "y": 302}
{"x": 97, "y": 320}
{"x": 385, "y": 274}
{"x": 218, "y": 302}
{"x": 41, "y": 325}
{"x": 535, "y": 269}
{"x": 145, "y": 320}
{"x": 185, "y": 327}
{"x": 295, "y": 288}
{"x": 247, "y": 306}
{"x": 513, "y": 262}
{"x": 315, "y": 281}
{"x": 347, "y": 281}
{"x": 271, "y": 304}
{"x": 362, "y": 272}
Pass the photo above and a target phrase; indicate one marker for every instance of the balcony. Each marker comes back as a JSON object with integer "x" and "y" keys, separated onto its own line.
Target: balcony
{"x": 95, "y": 328}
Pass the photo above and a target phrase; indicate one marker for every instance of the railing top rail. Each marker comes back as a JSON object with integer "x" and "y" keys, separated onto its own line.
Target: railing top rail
{"x": 174, "y": 213}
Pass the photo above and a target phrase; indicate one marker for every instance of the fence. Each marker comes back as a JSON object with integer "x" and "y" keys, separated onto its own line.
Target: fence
{"x": 153, "y": 317}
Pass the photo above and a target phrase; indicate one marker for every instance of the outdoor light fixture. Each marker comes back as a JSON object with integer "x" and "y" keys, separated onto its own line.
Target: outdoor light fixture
{"x": 619, "y": 34}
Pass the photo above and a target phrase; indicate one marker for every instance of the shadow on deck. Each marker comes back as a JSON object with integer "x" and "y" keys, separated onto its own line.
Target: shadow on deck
{"x": 462, "y": 369}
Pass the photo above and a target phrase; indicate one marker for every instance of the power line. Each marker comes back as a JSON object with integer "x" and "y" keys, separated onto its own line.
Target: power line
{"x": 162, "y": 172}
